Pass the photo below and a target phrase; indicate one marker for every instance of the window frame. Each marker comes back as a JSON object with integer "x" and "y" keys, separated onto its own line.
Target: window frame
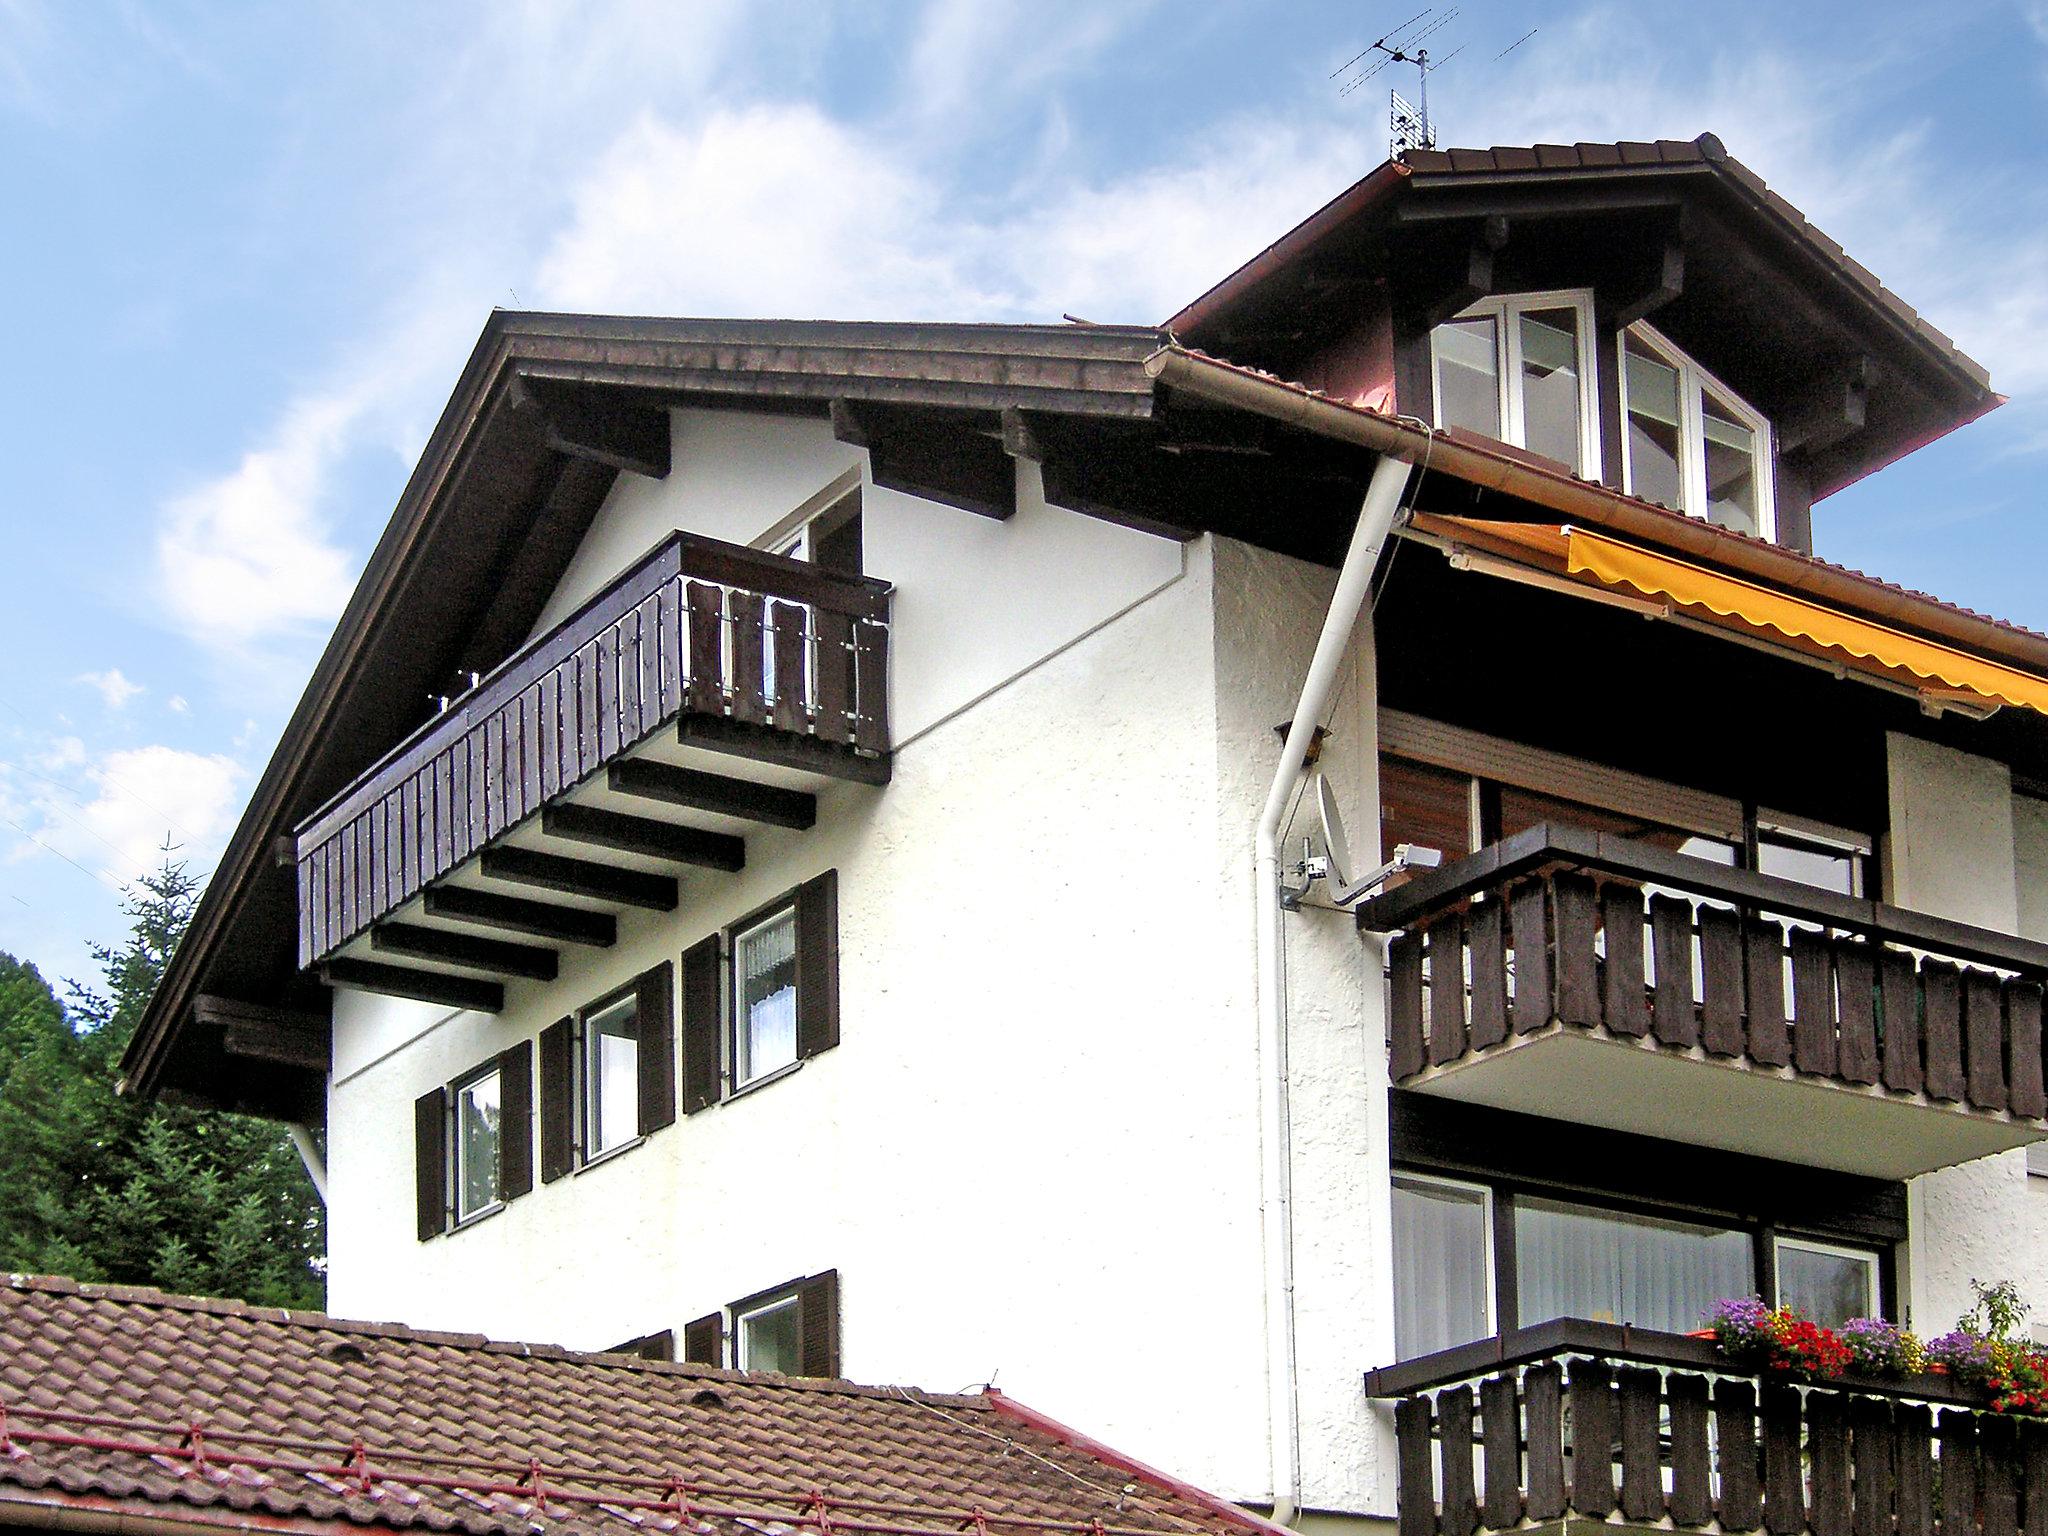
{"x": 1503, "y": 308}
{"x": 1693, "y": 381}
{"x": 788, "y": 1299}
{"x": 735, "y": 935}
{"x": 584, "y": 1084}
{"x": 718, "y": 1338}
{"x": 1779, "y": 1241}
{"x": 1493, "y": 1259}
{"x": 1764, "y": 1234}
{"x": 458, "y": 1218}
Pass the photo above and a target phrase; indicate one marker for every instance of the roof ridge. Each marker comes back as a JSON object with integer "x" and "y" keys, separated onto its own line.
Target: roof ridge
{"x": 222, "y": 1306}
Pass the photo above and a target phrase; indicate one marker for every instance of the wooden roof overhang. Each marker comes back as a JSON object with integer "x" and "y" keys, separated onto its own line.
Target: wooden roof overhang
{"x": 1677, "y": 231}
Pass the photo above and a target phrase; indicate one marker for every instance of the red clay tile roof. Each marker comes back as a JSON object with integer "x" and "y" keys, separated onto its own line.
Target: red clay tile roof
{"x": 125, "y": 1401}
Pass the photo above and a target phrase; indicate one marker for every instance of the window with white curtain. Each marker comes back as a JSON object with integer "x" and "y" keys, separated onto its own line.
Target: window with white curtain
{"x": 764, "y": 997}
{"x": 1826, "y": 1282}
{"x": 1617, "y": 1267}
{"x": 1443, "y": 1264}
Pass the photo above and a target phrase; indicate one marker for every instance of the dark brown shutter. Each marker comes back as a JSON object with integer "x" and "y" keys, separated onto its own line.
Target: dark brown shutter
{"x": 557, "y": 1100}
{"x": 818, "y": 1324}
{"x": 817, "y": 964}
{"x": 515, "y": 1121}
{"x": 656, "y": 1012}
{"x": 649, "y": 1346}
{"x": 430, "y": 1160}
{"x": 702, "y": 1025}
{"x": 704, "y": 1340}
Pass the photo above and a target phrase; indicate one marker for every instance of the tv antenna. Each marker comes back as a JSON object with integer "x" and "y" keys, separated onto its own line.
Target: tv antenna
{"x": 1408, "y": 123}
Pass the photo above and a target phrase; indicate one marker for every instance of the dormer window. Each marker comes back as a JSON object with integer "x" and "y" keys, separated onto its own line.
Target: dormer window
{"x": 1691, "y": 444}
{"x": 1513, "y": 368}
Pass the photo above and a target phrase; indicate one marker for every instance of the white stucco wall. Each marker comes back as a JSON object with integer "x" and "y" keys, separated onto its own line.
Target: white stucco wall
{"x": 1034, "y": 1153}
{"x": 2030, "y": 864}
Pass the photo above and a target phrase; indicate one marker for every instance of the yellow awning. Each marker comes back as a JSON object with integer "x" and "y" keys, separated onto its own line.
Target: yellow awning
{"x": 1605, "y": 559}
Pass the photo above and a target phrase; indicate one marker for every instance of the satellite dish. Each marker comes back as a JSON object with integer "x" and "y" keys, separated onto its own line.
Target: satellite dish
{"x": 1335, "y": 842}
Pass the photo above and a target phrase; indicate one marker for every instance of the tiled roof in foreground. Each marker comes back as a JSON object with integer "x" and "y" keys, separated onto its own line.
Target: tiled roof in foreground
{"x": 117, "y": 1400}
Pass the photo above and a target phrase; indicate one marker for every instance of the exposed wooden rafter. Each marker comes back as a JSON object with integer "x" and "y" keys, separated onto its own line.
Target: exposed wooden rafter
{"x": 469, "y": 992}
{"x": 282, "y": 1036}
{"x": 522, "y": 914}
{"x": 1838, "y": 406}
{"x": 691, "y": 789}
{"x": 602, "y": 428}
{"x": 645, "y": 836}
{"x": 465, "y": 949}
{"x": 580, "y": 877}
{"x": 944, "y": 457}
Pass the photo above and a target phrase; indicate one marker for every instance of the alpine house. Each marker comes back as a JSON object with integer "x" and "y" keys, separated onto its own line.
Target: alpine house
{"x": 796, "y": 847}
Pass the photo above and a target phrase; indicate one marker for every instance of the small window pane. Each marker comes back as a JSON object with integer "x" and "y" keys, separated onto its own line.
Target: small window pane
{"x": 1828, "y": 1285}
{"x": 1653, "y": 417}
{"x": 1550, "y": 384}
{"x": 771, "y": 1338}
{"x": 1440, "y": 1267}
{"x": 1468, "y": 374}
{"x": 1837, "y": 870}
{"x": 477, "y": 1124}
{"x": 765, "y": 965}
{"x": 1613, "y": 1267}
{"x": 1731, "y": 454}
{"x": 611, "y": 1046}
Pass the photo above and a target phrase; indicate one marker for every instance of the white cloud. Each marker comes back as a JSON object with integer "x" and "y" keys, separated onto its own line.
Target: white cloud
{"x": 178, "y": 704}
{"x": 112, "y": 686}
{"x": 248, "y": 555}
{"x": 114, "y": 814}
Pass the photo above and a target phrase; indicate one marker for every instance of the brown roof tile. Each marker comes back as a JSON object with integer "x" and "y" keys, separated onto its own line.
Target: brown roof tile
{"x": 130, "y": 1401}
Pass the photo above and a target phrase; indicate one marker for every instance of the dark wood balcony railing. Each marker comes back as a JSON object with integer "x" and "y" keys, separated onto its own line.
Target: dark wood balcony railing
{"x": 1562, "y": 929}
{"x": 747, "y": 651}
{"x": 1625, "y": 1426}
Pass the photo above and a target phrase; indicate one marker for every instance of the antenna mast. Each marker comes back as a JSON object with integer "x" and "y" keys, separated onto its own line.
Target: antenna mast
{"x": 1409, "y": 125}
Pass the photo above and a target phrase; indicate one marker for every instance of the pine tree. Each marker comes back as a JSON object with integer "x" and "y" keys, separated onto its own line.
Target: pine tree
{"x": 102, "y": 1187}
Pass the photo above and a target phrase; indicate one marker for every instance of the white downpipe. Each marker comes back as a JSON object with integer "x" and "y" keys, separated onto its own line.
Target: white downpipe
{"x": 309, "y": 1154}
{"x": 1354, "y": 581}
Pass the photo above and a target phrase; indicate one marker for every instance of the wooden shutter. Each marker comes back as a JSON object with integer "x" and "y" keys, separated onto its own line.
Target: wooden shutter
{"x": 515, "y": 1121}
{"x": 817, "y": 964}
{"x": 656, "y": 1014}
{"x": 557, "y": 1100}
{"x": 703, "y": 1025}
{"x": 818, "y": 1324}
{"x": 430, "y": 1160}
{"x": 649, "y": 1346}
{"x": 704, "y": 1340}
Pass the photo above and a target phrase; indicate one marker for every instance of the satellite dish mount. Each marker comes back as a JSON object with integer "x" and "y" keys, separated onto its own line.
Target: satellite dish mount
{"x": 1335, "y": 866}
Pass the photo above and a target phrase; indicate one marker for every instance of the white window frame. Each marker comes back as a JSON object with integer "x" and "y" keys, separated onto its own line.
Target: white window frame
{"x": 590, "y": 1112}
{"x": 1873, "y": 1296}
{"x": 1486, "y": 1227}
{"x": 790, "y": 1299}
{"x": 1505, "y": 308}
{"x": 458, "y": 1217}
{"x": 740, "y": 1066}
{"x": 1692, "y": 459}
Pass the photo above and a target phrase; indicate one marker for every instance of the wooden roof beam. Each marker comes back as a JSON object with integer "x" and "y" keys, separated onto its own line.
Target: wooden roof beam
{"x": 600, "y": 428}
{"x": 521, "y": 914}
{"x": 282, "y": 1036}
{"x": 465, "y": 949}
{"x": 933, "y": 456}
{"x": 1839, "y": 406}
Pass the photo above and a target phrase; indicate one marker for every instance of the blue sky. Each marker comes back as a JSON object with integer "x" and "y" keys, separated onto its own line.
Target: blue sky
{"x": 248, "y": 247}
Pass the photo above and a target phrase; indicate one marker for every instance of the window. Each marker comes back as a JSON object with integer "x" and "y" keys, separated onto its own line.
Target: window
{"x": 1618, "y": 1267}
{"x": 1443, "y": 1264}
{"x": 792, "y": 1328}
{"x": 1687, "y": 442}
{"x": 479, "y": 1106}
{"x": 1514, "y": 369}
{"x": 763, "y": 996}
{"x": 830, "y": 538}
{"x": 649, "y": 1346}
{"x": 1828, "y": 857}
{"x": 611, "y": 1076}
{"x": 1827, "y": 1283}
{"x": 607, "y": 1074}
{"x": 473, "y": 1142}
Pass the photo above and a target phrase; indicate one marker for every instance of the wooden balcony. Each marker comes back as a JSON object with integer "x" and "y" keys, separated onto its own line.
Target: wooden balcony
{"x": 709, "y": 691}
{"x": 1593, "y": 978}
{"x": 1580, "y": 1424}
